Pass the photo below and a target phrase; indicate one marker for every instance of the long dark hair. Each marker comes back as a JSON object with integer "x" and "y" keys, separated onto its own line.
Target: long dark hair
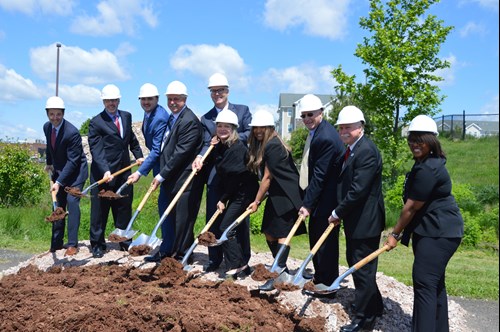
{"x": 431, "y": 140}
{"x": 256, "y": 148}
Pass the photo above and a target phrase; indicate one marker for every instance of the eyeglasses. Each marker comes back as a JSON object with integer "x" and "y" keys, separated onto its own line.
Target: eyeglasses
{"x": 217, "y": 91}
{"x": 416, "y": 142}
{"x": 309, "y": 115}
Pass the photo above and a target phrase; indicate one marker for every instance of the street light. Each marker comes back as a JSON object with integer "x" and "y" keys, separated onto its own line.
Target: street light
{"x": 57, "y": 69}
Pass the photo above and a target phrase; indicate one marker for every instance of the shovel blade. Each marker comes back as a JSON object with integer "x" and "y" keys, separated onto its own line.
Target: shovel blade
{"x": 141, "y": 239}
{"x": 124, "y": 233}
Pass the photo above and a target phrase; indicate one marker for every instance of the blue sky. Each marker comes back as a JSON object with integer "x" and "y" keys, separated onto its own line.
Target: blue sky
{"x": 265, "y": 47}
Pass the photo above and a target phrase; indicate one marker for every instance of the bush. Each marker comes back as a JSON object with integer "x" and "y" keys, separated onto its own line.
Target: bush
{"x": 393, "y": 196}
{"x": 21, "y": 180}
{"x": 472, "y": 230}
{"x": 256, "y": 219}
{"x": 487, "y": 194}
{"x": 465, "y": 197}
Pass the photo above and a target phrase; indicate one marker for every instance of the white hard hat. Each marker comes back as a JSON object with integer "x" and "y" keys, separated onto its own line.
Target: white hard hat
{"x": 54, "y": 102}
{"x": 148, "y": 90}
{"x": 176, "y": 88}
{"x": 262, "y": 119}
{"x": 110, "y": 91}
{"x": 309, "y": 103}
{"x": 423, "y": 123}
{"x": 350, "y": 114}
{"x": 227, "y": 116}
{"x": 217, "y": 79}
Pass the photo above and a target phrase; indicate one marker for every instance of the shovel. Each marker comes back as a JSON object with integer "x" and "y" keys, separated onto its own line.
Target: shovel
{"x": 298, "y": 279}
{"x": 153, "y": 241}
{"x": 53, "y": 193}
{"x": 275, "y": 267}
{"x": 195, "y": 243}
{"x": 128, "y": 233}
{"x": 76, "y": 192}
{"x": 57, "y": 212}
{"x": 321, "y": 289}
{"x": 223, "y": 238}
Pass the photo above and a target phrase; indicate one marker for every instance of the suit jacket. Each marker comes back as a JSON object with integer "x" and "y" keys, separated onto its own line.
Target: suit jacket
{"x": 180, "y": 149}
{"x": 361, "y": 204}
{"x": 208, "y": 123}
{"x": 153, "y": 132}
{"x": 68, "y": 158}
{"x": 324, "y": 163}
{"x": 109, "y": 151}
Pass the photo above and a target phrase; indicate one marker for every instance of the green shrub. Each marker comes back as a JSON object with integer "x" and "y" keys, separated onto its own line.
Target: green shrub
{"x": 472, "y": 230}
{"x": 21, "y": 180}
{"x": 465, "y": 197}
{"x": 256, "y": 219}
{"x": 489, "y": 219}
{"x": 486, "y": 194}
{"x": 393, "y": 196}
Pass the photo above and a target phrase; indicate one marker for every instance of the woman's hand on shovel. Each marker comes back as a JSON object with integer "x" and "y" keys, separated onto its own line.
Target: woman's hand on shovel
{"x": 55, "y": 187}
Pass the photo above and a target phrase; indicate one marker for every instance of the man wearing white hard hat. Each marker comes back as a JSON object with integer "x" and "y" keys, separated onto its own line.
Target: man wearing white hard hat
{"x": 219, "y": 92}
{"x": 111, "y": 140}
{"x": 318, "y": 177}
{"x": 181, "y": 143}
{"x": 67, "y": 167}
{"x": 361, "y": 209}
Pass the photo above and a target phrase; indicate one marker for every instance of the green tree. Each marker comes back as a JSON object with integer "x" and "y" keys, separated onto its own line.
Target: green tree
{"x": 402, "y": 59}
{"x": 84, "y": 128}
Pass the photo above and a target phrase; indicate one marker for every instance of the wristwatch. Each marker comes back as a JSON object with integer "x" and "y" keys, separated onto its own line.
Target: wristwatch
{"x": 397, "y": 236}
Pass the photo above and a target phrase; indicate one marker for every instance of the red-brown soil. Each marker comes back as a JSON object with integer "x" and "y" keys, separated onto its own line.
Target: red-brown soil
{"x": 111, "y": 195}
{"x": 58, "y": 214}
{"x": 206, "y": 239}
{"x": 74, "y": 191}
{"x": 111, "y": 297}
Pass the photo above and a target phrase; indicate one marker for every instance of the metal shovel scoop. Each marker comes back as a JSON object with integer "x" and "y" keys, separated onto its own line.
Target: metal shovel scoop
{"x": 58, "y": 213}
{"x": 153, "y": 241}
{"x": 195, "y": 243}
{"x": 76, "y": 192}
{"x": 125, "y": 234}
{"x": 335, "y": 286}
{"x": 223, "y": 238}
{"x": 275, "y": 267}
{"x": 298, "y": 279}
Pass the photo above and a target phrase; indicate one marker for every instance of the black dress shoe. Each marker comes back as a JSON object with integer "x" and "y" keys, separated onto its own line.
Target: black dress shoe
{"x": 156, "y": 258}
{"x": 359, "y": 324}
{"x": 210, "y": 268}
{"x": 124, "y": 245}
{"x": 97, "y": 252}
{"x": 243, "y": 273}
{"x": 268, "y": 286}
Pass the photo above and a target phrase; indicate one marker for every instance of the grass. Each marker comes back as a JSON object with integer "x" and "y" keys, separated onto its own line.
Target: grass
{"x": 471, "y": 273}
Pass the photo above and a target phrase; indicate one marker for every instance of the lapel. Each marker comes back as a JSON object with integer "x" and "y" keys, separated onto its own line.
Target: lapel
{"x": 60, "y": 133}
{"x": 170, "y": 134}
{"x": 353, "y": 154}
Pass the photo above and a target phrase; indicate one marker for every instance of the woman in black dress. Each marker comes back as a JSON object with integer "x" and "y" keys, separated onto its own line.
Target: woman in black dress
{"x": 271, "y": 159}
{"x": 431, "y": 217}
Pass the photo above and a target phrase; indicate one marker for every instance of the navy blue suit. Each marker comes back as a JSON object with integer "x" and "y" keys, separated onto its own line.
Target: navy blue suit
{"x": 183, "y": 143}
{"x": 70, "y": 170}
{"x": 361, "y": 207}
{"x": 324, "y": 163}
{"x": 110, "y": 152}
{"x": 209, "y": 173}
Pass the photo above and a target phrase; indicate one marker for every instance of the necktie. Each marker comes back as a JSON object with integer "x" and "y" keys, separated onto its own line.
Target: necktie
{"x": 167, "y": 131}
{"x": 304, "y": 169}
{"x": 347, "y": 154}
{"x": 117, "y": 123}
{"x": 53, "y": 137}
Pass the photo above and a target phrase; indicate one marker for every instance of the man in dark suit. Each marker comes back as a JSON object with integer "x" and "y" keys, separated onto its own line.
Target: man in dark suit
{"x": 110, "y": 139}
{"x": 67, "y": 163}
{"x": 181, "y": 143}
{"x": 153, "y": 129}
{"x": 318, "y": 177}
{"x": 361, "y": 207}
{"x": 219, "y": 92}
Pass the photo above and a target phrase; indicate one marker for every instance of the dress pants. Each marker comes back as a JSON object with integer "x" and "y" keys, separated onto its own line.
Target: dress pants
{"x": 326, "y": 259}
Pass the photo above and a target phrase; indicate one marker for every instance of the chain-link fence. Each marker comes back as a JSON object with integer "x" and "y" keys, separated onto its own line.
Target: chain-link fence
{"x": 467, "y": 125}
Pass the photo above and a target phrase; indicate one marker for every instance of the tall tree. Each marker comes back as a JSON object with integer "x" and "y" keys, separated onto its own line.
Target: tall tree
{"x": 400, "y": 81}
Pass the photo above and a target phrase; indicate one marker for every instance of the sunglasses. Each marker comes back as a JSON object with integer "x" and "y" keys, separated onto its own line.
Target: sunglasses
{"x": 217, "y": 91}
{"x": 309, "y": 115}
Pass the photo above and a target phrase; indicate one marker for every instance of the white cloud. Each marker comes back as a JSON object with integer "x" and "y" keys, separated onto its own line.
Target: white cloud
{"x": 491, "y": 108}
{"x": 448, "y": 74}
{"x": 14, "y": 87}
{"x": 204, "y": 60}
{"x": 79, "y": 95}
{"x": 116, "y": 17}
{"x": 324, "y": 18}
{"x": 271, "y": 108}
{"x": 487, "y": 4}
{"x": 14, "y": 132}
{"x": 77, "y": 65}
{"x": 300, "y": 79}
{"x": 472, "y": 28}
{"x": 31, "y": 7}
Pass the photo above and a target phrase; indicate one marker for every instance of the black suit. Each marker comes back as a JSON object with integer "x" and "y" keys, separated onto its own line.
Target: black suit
{"x": 70, "y": 170}
{"x": 110, "y": 152}
{"x": 209, "y": 174}
{"x": 181, "y": 147}
{"x": 361, "y": 207}
{"x": 325, "y": 155}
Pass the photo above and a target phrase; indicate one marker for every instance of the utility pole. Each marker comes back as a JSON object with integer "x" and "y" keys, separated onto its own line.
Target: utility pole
{"x": 57, "y": 69}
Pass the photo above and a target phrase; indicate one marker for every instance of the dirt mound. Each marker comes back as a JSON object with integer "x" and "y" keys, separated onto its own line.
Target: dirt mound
{"x": 120, "y": 292}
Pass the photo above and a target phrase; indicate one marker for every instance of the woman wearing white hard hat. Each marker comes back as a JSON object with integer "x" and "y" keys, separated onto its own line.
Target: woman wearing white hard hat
{"x": 272, "y": 160}
{"x": 238, "y": 187}
{"x": 431, "y": 217}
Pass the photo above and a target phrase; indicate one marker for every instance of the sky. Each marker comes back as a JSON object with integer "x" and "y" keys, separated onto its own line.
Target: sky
{"x": 264, "y": 47}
